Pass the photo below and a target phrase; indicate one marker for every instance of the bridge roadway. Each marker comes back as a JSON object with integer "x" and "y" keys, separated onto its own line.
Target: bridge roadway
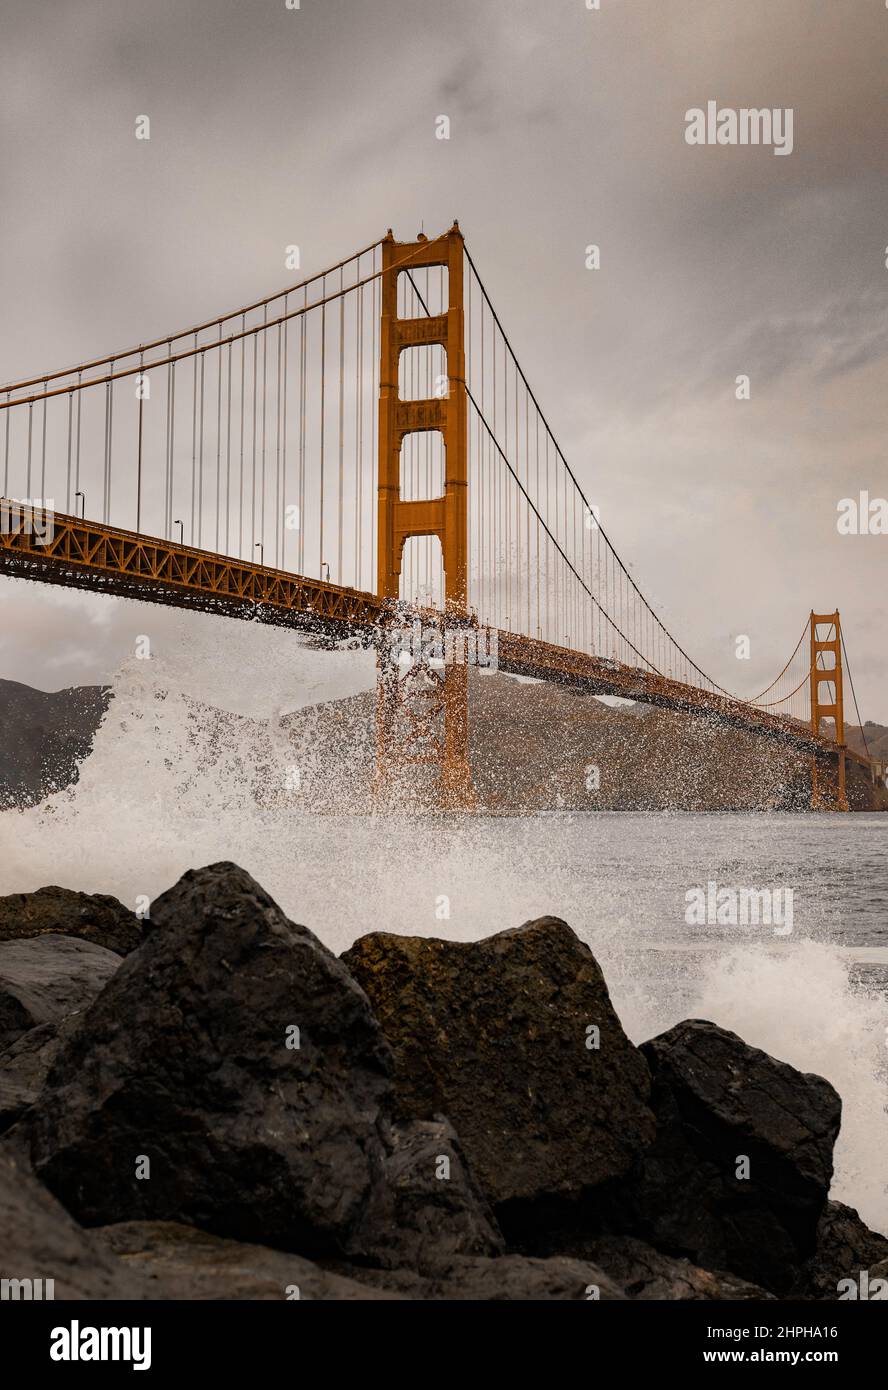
{"x": 86, "y": 554}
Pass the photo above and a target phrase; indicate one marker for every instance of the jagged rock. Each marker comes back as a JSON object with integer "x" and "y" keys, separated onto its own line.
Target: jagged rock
{"x": 494, "y": 1035}
{"x": 174, "y": 1261}
{"x": 41, "y": 1241}
{"x": 44, "y": 978}
{"x": 522, "y": 1277}
{"x": 845, "y": 1247}
{"x": 511, "y": 1277}
{"x": 183, "y": 1060}
{"x": 646, "y": 1274}
{"x": 426, "y": 1206}
{"x": 718, "y": 1100}
{"x": 24, "y": 1067}
{"x": 179, "y": 1262}
{"x": 95, "y": 917}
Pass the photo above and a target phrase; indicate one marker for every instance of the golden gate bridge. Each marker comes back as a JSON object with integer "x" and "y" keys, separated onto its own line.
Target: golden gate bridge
{"x": 351, "y": 456}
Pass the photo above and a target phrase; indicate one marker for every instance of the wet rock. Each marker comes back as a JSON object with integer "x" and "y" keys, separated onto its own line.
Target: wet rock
{"x": 44, "y": 978}
{"x": 493, "y": 1034}
{"x": 521, "y": 1277}
{"x": 179, "y": 1262}
{"x": 184, "y": 1061}
{"x": 426, "y": 1205}
{"x": 646, "y": 1274}
{"x": 845, "y": 1247}
{"x": 94, "y": 917}
{"x": 24, "y": 1067}
{"x": 41, "y": 1241}
{"x": 511, "y": 1277}
{"x": 725, "y": 1109}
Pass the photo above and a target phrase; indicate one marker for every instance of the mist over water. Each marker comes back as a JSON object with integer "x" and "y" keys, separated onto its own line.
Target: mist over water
{"x": 192, "y": 764}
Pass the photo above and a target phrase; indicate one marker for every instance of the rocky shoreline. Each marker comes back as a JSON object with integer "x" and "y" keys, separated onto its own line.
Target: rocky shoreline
{"x": 210, "y": 1105}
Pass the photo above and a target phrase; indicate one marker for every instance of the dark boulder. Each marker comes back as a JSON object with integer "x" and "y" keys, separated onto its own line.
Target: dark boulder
{"x": 494, "y": 1034}
{"x": 509, "y": 1278}
{"x": 725, "y": 1109}
{"x": 426, "y": 1205}
{"x": 184, "y": 1061}
{"x": 180, "y": 1262}
{"x": 520, "y": 1277}
{"x": 40, "y": 1241}
{"x": 45, "y": 978}
{"x": 845, "y": 1247}
{"x": 24, "y": 1067}
{"x": 646, "y": 1274}
{"x": 95, "y": 917}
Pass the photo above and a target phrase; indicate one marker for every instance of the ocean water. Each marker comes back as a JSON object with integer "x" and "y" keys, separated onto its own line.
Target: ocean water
{"x": 170, "y": 785}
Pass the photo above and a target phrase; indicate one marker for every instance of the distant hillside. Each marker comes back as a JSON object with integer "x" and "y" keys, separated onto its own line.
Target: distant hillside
{"x": 42, "y": 737}
{"x": 533, "y": 747}
{"x": 876, "y": 735}
{"x": 876, "y": 739}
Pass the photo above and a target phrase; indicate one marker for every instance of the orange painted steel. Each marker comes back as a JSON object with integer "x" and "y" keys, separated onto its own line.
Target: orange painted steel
{"x": 446, "y": 516}
{"x": 424, "y": 721}
{"x": 89, "y": 555}
{"x": 826, "y": 795}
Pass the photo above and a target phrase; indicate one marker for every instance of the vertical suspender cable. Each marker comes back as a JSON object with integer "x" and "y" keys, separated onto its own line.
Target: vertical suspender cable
{"x": 228, "y": 460}
{"x": 240, "y": 506}
{"x": 323, "y": 406}
{"x": 277, "y": 451}
{"x": 193, "y": 443}
{"x": 359, "y": 426}
{"x": 200, "y": 452}
{"x": 219, "y": 438}
{"x": 141, "y": 381}
{"x": 6, "y": 454}
{"x": 43, "y": 456}
{"x": 68, "y": 468}
{"x": 302, "y": 394}
{"x": 264, "y": 424}
{"x": 341, "y": 477}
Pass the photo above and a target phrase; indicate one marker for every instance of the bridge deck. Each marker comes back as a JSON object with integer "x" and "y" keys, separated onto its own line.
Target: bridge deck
{"x": 89, "y": 555}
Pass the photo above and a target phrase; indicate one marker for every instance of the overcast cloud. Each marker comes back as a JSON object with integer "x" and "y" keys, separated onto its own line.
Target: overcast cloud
{"x": 316, "y": 126}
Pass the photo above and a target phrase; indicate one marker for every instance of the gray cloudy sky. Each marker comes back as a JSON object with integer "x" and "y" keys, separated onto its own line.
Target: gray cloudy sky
{"x": 317, "y": 126}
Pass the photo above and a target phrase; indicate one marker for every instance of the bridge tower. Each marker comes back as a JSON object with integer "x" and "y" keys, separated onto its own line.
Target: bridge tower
{"x": 422, "y": 712}
{"x": 826, "y": 794}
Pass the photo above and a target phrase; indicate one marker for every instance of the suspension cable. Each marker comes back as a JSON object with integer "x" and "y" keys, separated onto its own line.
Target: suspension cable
{"x": 201, "y": 348}
{"x": 782, "y": 673}
{"x": 854, "y": 694}
{"x": 782, "y": 701}
{"x": 187, "y": 332}
{"x": 585, "y": 501}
